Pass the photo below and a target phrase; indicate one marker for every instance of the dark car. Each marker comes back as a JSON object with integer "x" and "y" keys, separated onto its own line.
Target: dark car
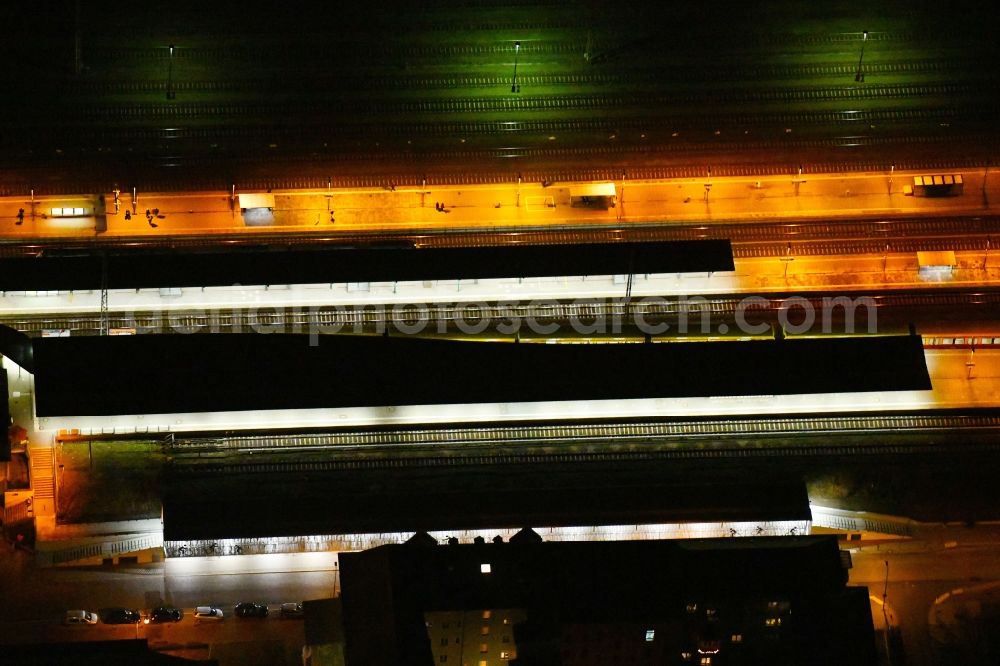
{"x": 166, "y": 614}
{"x": 249, "y": 609}
{"x": 121, "y": 616}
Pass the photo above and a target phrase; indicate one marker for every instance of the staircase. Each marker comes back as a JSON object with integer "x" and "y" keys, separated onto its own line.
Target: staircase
{"x": 43, "y": 478}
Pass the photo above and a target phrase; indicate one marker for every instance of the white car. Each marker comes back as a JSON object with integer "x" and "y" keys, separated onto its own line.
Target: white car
{"x": 80, "y": 617}
{"x": 208, "y": 613}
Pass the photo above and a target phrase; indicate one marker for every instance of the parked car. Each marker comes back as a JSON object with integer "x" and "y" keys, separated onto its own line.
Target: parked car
{"x": 121, "y": 616}
{"x": 291, "y": 610}
{"x": 166, "y": 614}
{"x": 80, "y": 617}
{"x": 208, "y": 613}
{"x": 250, "y": 609}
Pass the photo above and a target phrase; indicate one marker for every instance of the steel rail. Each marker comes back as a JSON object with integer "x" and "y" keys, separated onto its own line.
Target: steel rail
{"x": 188, "y": 453}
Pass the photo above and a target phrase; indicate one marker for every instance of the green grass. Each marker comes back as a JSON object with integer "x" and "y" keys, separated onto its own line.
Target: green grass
{"x": 104, "y": 481}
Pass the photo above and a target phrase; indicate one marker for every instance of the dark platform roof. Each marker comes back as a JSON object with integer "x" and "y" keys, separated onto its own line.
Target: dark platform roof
{"x": 16, "y": 346}
{"x": 288, "y": 265}
{"x": 326, "y": 505}
{"x": 150, "y": 374}
{"x": 4, "y": 416}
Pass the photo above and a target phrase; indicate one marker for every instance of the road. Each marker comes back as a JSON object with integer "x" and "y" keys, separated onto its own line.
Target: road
{"x": 36, "y": 599}
{"x": 920, "y": 572}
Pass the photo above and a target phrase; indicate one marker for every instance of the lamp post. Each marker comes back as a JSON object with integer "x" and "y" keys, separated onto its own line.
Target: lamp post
{"x": 864, "y": 39}
{"x": 885, "y": 612}
{"x": 787, "y": 259}
{"x": 170, "y": 74}
{"x": 514, "y": 87}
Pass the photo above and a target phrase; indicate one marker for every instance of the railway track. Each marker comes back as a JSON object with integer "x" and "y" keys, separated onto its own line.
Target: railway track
{"x": 368, "y": 49}
{"x": 695, "y": 73}
{"x": 418, "y": 175}
{"x": 512, "y": 128}
{"x": 355, "y": 106}
{"x": 189, "y": 454}
{"x": 361, "y": 318}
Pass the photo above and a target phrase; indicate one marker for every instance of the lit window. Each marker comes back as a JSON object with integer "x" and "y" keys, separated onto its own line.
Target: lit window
{"x": 484, "y": 631}
{"x": 483, "y": 662}
{"x": 485, "y": 568}
{"x": 484, "y": 648}
{"x": 487, "y": 614}
{"x": 506, "y": 655}
{"x": 685, "y": 656}
{"x": 650, "y": 633}
{"x": 706, "y": 661}
{"x": 773, "y": 622}
{"x": 710, "y": 612}
{"x": 736, "y": 638}
{"x": 691, "y": 608}
{"x": 772, "y": 604}
{"x": 506, "y": 620}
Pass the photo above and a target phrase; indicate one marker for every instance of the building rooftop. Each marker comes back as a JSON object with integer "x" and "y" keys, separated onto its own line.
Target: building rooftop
{"x": 776, "y": 600}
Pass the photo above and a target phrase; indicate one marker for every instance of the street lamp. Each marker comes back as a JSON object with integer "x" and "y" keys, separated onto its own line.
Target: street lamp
{"x": 859, "y": 76}
{"x": 170, "y": 74}
{"x": 514, "y": 87}
{"x": 885, "y": 612}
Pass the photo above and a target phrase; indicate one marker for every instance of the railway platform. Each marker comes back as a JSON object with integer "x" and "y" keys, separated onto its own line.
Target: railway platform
{"x": 313, "y": 210}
